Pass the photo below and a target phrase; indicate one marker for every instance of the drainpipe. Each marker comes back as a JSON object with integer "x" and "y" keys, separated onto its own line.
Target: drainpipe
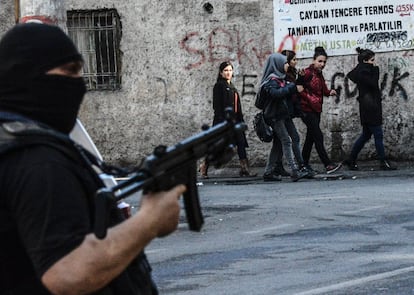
{"x": 16, "y": 11}
{"x": 48, "y": 12}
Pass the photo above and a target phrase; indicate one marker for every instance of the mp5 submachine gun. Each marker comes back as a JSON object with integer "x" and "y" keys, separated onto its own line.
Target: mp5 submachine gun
{"x": 167, "y": 167}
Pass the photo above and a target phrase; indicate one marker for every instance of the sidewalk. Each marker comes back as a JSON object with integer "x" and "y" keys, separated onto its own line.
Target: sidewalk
{"x": 366, "y": 169}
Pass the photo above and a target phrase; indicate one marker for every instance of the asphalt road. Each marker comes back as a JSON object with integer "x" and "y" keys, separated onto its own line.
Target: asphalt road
{"x": 349, "y": 236}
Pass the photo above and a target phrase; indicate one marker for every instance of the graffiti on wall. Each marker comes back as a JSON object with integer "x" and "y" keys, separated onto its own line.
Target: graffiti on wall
{"x": 222, "y": 44}
{"x": 391, "y": 83}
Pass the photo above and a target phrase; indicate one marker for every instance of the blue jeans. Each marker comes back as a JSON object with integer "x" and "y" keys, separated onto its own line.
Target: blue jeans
{"x": 286, "y": 138}
{"x": 367, "y": 132}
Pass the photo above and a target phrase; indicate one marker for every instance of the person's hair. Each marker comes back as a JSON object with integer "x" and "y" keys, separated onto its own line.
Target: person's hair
{"x": 290, "y": 54}
{"x": 222, "y": 66}
{"x": 364, "y": 54}
{"x": 319, "y": 50}
{"x": 291, "y": 72}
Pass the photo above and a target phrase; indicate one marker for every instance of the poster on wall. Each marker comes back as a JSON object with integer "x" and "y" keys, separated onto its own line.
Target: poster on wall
{"x": 342, "y": 25}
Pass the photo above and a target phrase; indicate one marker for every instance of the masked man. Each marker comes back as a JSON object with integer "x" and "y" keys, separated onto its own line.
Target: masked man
{"x": 47, "y": 186}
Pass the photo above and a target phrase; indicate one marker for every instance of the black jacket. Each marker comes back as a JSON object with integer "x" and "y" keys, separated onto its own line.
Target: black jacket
{"x": 279, "y": 94}
{"x": 366, "y": 77}
{"x": 43, "y": 173}
{"x": 223, "y": 97}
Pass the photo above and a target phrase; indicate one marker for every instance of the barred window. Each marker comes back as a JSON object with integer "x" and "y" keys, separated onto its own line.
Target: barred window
{"x": 97, "y": 33}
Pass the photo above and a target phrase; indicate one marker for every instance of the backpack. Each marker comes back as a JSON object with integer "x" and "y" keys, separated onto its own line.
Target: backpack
{"x": 263, "y": 97}
{"x": 262, "y": 129}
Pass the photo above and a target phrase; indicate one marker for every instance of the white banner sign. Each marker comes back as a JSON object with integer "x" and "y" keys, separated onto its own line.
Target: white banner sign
{"x": 342, "y": 25}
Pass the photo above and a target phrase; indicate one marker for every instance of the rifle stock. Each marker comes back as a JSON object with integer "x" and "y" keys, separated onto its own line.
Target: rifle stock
{"x": 167, "y": 167}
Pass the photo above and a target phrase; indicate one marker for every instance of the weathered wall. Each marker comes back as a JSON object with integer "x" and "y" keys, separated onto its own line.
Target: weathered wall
{"x": 171, "y": 51}
{"x": 7, "y": 15}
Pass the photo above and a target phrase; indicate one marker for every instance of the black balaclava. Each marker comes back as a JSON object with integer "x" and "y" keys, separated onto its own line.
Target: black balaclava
{"x": 27, "y": 52}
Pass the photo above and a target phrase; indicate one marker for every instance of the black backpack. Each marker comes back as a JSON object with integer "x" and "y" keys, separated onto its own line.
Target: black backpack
{"x": 262, "y": 98}
{"x": 262, "y": 129}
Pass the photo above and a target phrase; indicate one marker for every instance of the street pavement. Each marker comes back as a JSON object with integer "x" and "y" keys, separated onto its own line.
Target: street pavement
{"x": 353, "y": 235}
{"x": 366, "y": 169}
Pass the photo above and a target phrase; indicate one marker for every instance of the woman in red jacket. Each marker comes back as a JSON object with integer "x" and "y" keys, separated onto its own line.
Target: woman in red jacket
{"x": 311, "y": 102}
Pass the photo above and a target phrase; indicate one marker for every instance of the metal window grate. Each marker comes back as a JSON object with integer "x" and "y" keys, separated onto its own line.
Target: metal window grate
{"x": 97, "y": 34}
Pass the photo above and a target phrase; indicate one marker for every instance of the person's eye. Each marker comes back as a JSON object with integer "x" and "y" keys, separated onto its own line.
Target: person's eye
{"x": 73, "y": 68}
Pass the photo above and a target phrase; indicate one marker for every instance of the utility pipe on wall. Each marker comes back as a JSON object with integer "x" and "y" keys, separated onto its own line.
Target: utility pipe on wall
{"x": 48, "y": 12}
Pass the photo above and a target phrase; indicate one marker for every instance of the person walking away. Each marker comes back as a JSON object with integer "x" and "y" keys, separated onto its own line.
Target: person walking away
{"x": 276, "y": 114}
{"x": 47, "y": 200}
{"x": 366, "y": 77}
{"x": 311, "y": 103}
{"x": 225, "y": 95}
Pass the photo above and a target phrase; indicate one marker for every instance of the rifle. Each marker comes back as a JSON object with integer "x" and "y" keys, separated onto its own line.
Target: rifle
{"x": 167, "y": 167}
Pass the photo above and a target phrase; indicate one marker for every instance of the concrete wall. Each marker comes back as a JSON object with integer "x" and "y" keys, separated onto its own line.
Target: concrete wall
{"x": 7, "y": 15}
{"x": 171, "y": 52}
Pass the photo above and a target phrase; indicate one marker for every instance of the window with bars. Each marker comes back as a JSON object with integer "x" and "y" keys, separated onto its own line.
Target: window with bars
{"x": 97, "y": 33}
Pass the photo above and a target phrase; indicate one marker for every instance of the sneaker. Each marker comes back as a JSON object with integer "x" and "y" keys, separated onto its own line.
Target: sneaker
{"x": 310, "y": 171}
{"x": 298, "y": 174}
{"x": 351, "y": 164}
{"x": 385, "y": 165}
{"x": 332, "y": 168}
{"x": 280, "y": 170}
{"x": 269, "y": 176}
{"x": 310, "y": 168}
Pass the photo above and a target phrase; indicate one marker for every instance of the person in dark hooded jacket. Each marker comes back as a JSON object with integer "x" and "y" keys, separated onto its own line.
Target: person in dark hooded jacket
{"x": 366, "y": 76}
{"x": 278, "y": 116}
{"x": 48, "y": 245}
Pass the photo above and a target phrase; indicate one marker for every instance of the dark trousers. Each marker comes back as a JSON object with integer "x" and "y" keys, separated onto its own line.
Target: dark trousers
{"x": 314, "y": 135}
{"x": 241, "y": 146}
{"x": 367, "y": 132}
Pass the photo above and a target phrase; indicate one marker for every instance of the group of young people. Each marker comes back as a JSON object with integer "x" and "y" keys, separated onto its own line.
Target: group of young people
{"x": 297, "y": 93}
{"x": 48, "y": 183}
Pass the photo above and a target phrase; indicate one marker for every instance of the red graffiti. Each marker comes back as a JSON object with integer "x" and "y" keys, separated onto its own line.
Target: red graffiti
{"x": 224, "y": 45}
{"x": 262, "y": 53}
{"x": 183, "y": 44}
{"x": 217, "y": 49}
{"x": 284, "y": 43}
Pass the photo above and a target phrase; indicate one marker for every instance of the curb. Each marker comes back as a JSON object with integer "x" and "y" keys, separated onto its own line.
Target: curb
{"x": 366, "y": 169}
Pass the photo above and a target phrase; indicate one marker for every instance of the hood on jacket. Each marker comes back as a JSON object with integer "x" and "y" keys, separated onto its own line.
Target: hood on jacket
{"x": 274, "y": 67}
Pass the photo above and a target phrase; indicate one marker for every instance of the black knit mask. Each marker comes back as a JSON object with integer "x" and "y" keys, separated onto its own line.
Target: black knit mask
{"x": 27, "y": 52}
{"x": 57, "y": 100}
